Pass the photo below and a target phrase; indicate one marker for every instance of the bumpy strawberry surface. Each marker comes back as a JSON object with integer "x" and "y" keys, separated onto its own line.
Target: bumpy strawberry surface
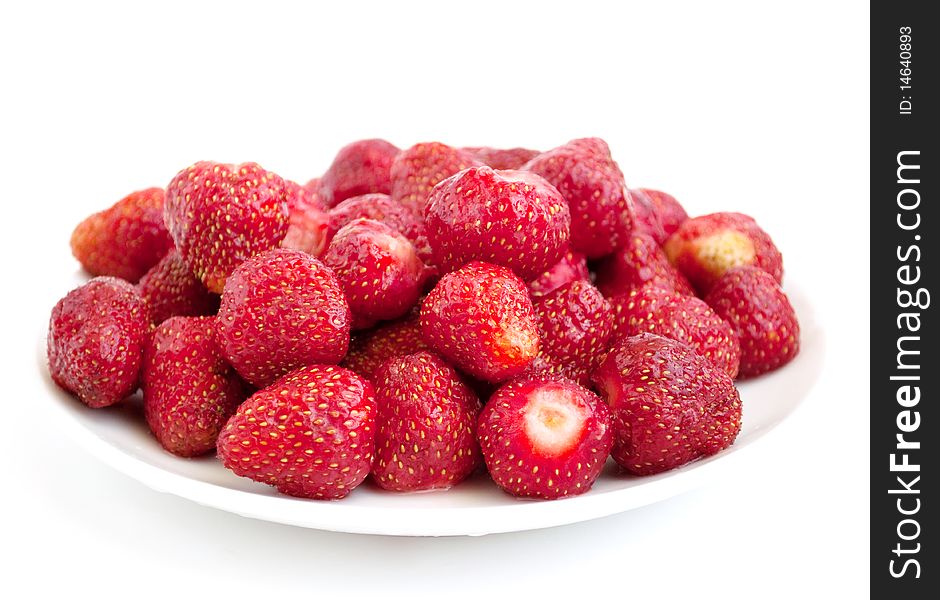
{"x": 308, "y": 222}
{"x": 669, "y": 213}
{"x": 639, "y": 262}
{"x": 502, "y": 158}
{"x": 761, "y": 316}
{"x": 220, "y": 214}
{"x": 171, "y": 289}
{"x": 706, "y": 247}
{"x": 96, "y": 340}
{"x": 571, "y": 267}
{"x": 646, "y": 219}
{"x": 369, "y": 349}
{"x": 544, "y": 439}
{"x": 669, "y": 404}
{"x": 125, "y": 240}
{"x": 589, "y": 179}
{"x": 381, "y": 207}
{"x": 686, "y": 319}
{"x": 425, "y": 438}
{"x": 281, "y": 310}
{"x": 190, "y": 391}
{"x": 575, "y": 322}
{"x": 481, "y": 319}
{"x": 359, "y": 168}
{"x": 311, "y": 434}
{"x": 510, "y": 218}
{"x": 378, "y": 268}
{"x": 418, "y": 169}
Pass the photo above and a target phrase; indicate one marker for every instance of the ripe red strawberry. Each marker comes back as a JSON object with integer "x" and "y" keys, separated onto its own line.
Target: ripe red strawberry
{"x": 419, "y": 168}
{"x": 591, "y": 182}
{"x": 686, "y": 319}
{"x": 312, "y": 194}
{"x": 425, "y": 438}
{"x": 509, "y": 218}
{"x": 544, "y": 439}
{"x": 669, "y": 213}
{"x": 481, "y": 319}
{"x": 171, "y": 290}
{"x": 308, "y": 222}
{"x": 382, "y": 208}
{"x": 189, "y": 389}
{"x": 125, "y": 240}
{"x": 705, "y": 248}
{"x": 571, "y": 267}
{"x": 669, "y": 404}
{"x": 502, "y": 158}
{"x": 760, "y": 314}
{"x": 378, "y": 268}
{"x": 219, "y": 215}
{"x": 646, "y": 219}
{"x": 575, "y": 322}
{"x": 310, "y": 434}
{"x": 368, "y": 350}
{"x": 96, "y": 341}
{"x": 359, "y": 168}
{"x": 639, "y": 262}
{"x": 281, "y": 310}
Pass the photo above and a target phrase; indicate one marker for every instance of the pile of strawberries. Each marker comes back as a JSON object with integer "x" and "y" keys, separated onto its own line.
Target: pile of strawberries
{"x": 419, "y": 314}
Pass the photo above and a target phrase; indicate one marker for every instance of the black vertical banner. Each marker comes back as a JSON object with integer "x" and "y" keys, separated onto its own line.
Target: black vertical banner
{"x": 905, "y": 370}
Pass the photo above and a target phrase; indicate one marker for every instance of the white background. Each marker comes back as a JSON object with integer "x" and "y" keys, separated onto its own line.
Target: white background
{"x": 728, "y": 106}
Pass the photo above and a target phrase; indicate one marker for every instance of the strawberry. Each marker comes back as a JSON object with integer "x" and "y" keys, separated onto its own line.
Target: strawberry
{"x": 382, "y": 208}
{"x": 686, "y": 319}
{"x": 481, "y": 319}
{"x": 219, "y": 215}
{"x": 312, "y": 194}
{"x": 706, "y": 247}
{"x": 591, "y": 182}
{"x": 544, "y": 439}
{"x": 419, "y": 168}
{"x": 310, "y": 434}
{"x": 281, "y": 310}
{"x": 761, "y": 316}
{"x": 378, "y": 268}
{"x": 669, "y": 404}
{"x": 125, "y": 240}
{"x": 368, "y": 350}
{"x": 667, "y": 210}
{"x": 425, "y": 436}
{"x": 646, "y": 219}
{"x": 308, "y": 223}
{"x": 96, "y": 341}
{"x": 171, "y": 290}
{"x": 359, "y": 168}
{"x": 575, "y": 322}
{"x": 571, "y": 267}
{"x": 189, "y": 389}
{"x": 639, "y": 262}
{"x": 502, "y": 159}
{"x": 509, "y": 218}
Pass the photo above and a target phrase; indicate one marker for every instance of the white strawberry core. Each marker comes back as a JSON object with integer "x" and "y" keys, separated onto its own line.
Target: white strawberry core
{"x": 554, "y": 420}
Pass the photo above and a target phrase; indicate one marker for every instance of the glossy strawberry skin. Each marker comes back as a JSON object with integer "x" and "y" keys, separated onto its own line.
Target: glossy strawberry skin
{"x": 220, "y": 214}
{"x": 571, "y": 267}
{"x": 378, "y": 268}
{"x": 362, "y": 167}
{"x": 190, "y": 391}
{"x": 311, "y": 434}
{"x": 426, "y": 433}
{"x": 761, "y": 316}
{"x": 646, "y": 219}
{"x": 382, "y": 208}
{"x": 308, "y": 223}
{"x": 481, "y": 319}
{"x": 370, "y": 349}
{"x": 281, "y": 310}
{"x": 513, "y": 423}
{"x": 171, "y": 290}
{"x": 125, "y": 240}
{"x": 686, "y": 319}
{"x": 510, "y": 218}
{"x": 592, "y": 183}
{"x": 96, "y": 340}
{"x": 706, "y": 247}
{"x": 639, "y": 262}
{"x": 669, "y": 404}
{"x": 669, "y": 213}
{"x": 418, "y": 169}
{"x": 502, "y": 158}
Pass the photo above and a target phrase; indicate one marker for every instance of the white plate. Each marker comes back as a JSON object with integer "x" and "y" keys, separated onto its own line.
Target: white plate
{"x": 119, "y": 437}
